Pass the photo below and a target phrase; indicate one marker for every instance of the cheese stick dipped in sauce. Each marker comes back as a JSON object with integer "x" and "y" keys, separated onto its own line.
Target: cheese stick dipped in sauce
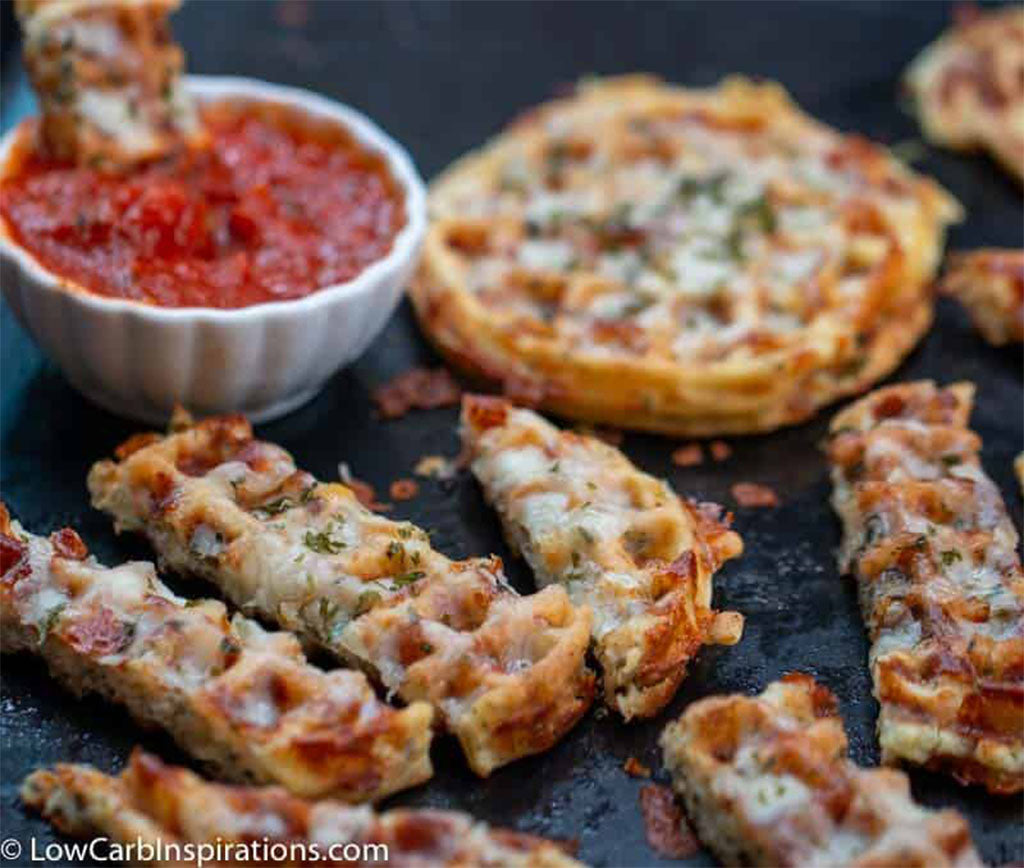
{"x": 240, "y": 699}
{"x": 506, "y": 673}
{"x": 165, "y": 805}
{"x": 107, "y": 75}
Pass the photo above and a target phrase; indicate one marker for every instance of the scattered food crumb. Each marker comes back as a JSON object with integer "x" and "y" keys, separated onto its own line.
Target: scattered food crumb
{"x": 752, "y": 494}
{"x": 404, "y": 489}
{"x": 436, "y": 467}
{"x": 720, "y": 450}
{"x": 364, "y": 492}
{"x": 689, "y": 455}
{"x": 634, "y": 768}
{"x": 419, "y": 389}
{"x": 667, "y": 829}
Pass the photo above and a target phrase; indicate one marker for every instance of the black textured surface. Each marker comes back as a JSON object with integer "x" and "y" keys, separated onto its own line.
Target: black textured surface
{"x": 440, "y": 78}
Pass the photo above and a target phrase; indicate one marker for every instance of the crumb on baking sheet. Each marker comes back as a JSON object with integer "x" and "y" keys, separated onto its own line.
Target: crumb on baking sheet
{"x": 688, "y": 455}
{"x": 720, "y": 450}
{"x": 636, "y": 769}
{"x": 752, "y": 494}
{"x": 416, "y": 389}
{"x": 404, "y": 489}
{"x": 436, "y": 467}
{"x": 667, "y": 829}
{"x": 364, "y": 492}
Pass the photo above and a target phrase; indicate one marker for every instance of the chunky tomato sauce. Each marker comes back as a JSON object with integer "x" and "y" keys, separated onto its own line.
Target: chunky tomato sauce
{"x": 280, "y": 205}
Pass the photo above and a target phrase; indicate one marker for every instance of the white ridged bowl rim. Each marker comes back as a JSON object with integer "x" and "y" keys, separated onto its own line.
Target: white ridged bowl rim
{"x": 207, "y": 87}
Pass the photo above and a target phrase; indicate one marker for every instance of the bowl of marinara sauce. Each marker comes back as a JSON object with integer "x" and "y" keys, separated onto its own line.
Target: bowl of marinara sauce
{"x": 238, "y": 277}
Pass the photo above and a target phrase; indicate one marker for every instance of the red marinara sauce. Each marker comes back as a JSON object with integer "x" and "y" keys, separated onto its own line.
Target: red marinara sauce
{"x": 278, "y": 206}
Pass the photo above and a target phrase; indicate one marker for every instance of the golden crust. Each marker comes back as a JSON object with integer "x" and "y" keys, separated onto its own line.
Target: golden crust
{"x": 766, "y": 780}
{"x": 620, "y": 541}
{"x": 244, "y": 701}
{"x": 506, "y": 673}
{"x": 927, "y": 536}
{"x": 165, "y": 805}
{"x": 968, "y": 89}
{"x": 108, "y": 79}
{"x": 685, "y": 261}
{"x": 990, "y": 284}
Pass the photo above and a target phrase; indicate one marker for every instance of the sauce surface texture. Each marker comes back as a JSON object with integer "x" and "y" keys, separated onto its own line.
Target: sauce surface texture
{"x": 280, "y": 205}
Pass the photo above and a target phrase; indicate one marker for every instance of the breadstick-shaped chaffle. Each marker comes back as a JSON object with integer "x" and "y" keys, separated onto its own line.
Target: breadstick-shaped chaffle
{"x": 506, "y": 673}
{"x": 934, "y": 553}
{"x": 242, "y": 700}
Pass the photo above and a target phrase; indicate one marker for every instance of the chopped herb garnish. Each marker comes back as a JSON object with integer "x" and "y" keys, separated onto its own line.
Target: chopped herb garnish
{"x": 395, "y": 549}
{"x": 366, "y": 601}
{"x": 323, "y": 543}
{"x": 950, "y": 557}
{"x": 584, "y": 532}
{"x": 276, "y": 507}
{"x": 50, "y": 621}
{"x": 951, "y": 460}
{"x": 408, "y": 578}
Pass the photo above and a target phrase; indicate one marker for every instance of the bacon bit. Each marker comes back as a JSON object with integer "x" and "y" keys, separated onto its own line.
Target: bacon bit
{"x": 404, "y": 489}
{"x": 99, "y": 634}
{"x": 689, "y": 455}
{"x": 720, "y": 450}
{"x": 12, "y": 553}
{"x": 752, "y": 494}
{"x": 68, "y": 544}
{"x": 419, "y": 389}
{"x": 435, "y": 467}
{"x": 365, "y": 493}
{"x": 483, "y": 411}
{"x": 636, "y": 769}
{"x": 667, "y": 829}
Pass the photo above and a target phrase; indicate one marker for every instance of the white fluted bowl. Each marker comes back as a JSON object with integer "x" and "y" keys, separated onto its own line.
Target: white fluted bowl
{"x": 138, "y": 360}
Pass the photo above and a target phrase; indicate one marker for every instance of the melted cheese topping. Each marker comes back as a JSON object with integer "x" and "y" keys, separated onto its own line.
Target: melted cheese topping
{"x": 767, "y": 782}
{"x": 157, "y": 802}
{"x": 927, "y": 536}
{"x": 619, "y": 541}
{"x": 241, "y": 698}
{"x": 309, "y": 556}
{"x": 705, "y": 238}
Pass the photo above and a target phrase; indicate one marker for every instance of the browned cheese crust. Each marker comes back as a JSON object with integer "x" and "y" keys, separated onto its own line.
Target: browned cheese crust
{"x": 107, "y": 74}
{"x": 240, "y": 699}
{"x": 968, "y": 88}
{"x": 934, "y": 553}
{"x": 766, "y": 780}
{"x": 990, "y": 284}
{"x": 167, "y": 805}
{"x": 620, "y": 541}
{"x": 506, "y": 673}
{"x": 693, "y": 262}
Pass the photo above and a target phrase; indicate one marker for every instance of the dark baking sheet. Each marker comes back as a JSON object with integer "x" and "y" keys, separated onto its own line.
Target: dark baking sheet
{"x": 441, "y": 77}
